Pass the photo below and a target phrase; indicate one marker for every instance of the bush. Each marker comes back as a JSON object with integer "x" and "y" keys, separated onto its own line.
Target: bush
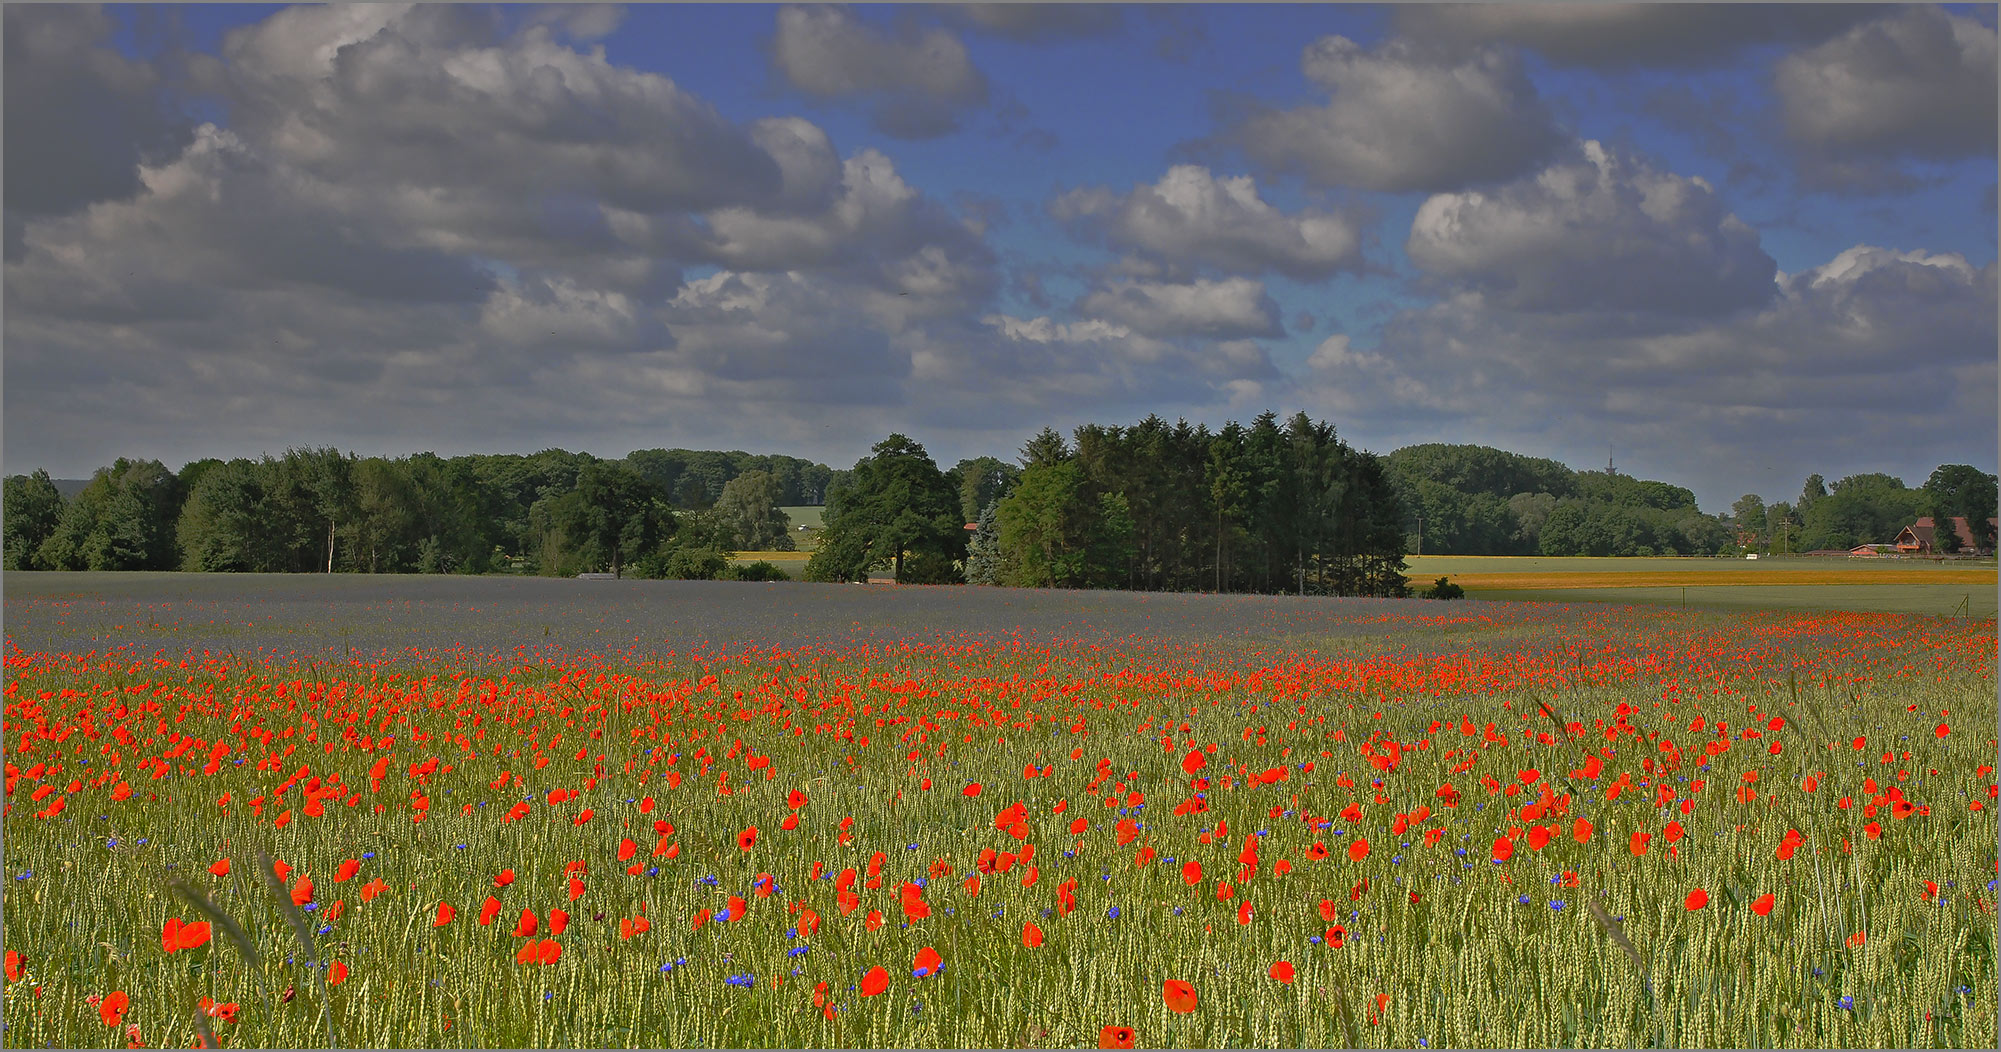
{"x": 1444, "y": 589}
{"x": 761, "y": 570}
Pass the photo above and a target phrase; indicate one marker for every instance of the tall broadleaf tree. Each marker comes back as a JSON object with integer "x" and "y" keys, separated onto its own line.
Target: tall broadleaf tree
{"x": 32, "y": 508}
{"x": 895, "y": 505}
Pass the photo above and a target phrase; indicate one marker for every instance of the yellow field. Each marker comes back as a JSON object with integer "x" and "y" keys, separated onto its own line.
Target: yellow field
{"x": 1695, "y": 578}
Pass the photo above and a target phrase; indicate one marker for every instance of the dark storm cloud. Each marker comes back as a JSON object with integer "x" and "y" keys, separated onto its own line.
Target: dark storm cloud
{"x": 80, "y": 118}
{"x": 1918, "y": 84}
{"x": 1623, "y": 36}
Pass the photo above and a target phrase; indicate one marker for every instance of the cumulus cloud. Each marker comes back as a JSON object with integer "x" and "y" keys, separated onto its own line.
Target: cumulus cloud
{"x": 1621, "y": 36}
{"x": 1405, "y": 117}
{"x": 1602, "y": 233}
{"x": 1917, "y": 84}
{"x": 80, "y": 118}
{"x": 1230, "y": 308}
{"x": 381, "y": 95}
{"x": 1192, "y": 216}
{"x": 918, "y": 82}
{"x": 415, "y": 209}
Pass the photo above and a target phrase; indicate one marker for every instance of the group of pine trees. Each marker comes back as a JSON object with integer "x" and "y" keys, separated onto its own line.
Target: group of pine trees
{"x": 1155, "y": 507}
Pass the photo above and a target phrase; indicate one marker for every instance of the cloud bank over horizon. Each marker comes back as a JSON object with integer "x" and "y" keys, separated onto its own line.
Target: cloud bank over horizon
{"x": 794, "y": 229}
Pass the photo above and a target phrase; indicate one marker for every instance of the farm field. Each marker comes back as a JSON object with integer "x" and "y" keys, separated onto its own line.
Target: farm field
{"x": 536, "y": 812}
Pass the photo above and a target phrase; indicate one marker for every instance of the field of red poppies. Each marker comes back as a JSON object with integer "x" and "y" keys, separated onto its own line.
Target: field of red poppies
{"x": 822, "y": 815}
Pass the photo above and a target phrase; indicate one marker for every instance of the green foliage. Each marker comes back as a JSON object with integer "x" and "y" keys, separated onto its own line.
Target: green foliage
{"x": 983, "y": 553}
{"x": 1861, "y": 509}
{"x": 1577, "y": 526}
{"x": 760, "y": 570}
{"x": 748, "y": 510}
{"x": 895, "y": 503}
{"x": 32, "y": 508}
{"x": 983, "y": 481}
{"x": 1444, "y": 589}
{"x": 1964, "y": 491}
{"x": 123, "y": 520}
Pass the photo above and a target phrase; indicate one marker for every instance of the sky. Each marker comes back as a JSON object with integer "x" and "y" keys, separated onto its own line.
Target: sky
{"x": 1723, "y": 246}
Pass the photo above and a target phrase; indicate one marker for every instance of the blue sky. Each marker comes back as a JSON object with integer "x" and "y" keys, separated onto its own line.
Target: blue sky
{"x": 1736, "y": 245}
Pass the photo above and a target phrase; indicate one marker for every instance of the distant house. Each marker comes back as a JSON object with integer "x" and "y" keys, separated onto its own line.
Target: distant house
{"x": 972, "y": 525}
{"x": 1874, "y": 551}
{"x": 1917, "y": 538}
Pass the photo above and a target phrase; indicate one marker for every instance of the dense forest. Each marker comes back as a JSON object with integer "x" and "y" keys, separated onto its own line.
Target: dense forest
{"x": 1275, "y": 506}
{"x": 1267, "y": 508}
{"x": 553, "y": 512}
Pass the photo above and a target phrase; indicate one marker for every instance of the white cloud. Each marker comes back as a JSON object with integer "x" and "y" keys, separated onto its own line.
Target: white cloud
{"x": 918, "y": 81}
{"x": 1602, "y": 233}
{"x": 1222, "y": 309}
{"x": 1404, "y": 117}
{"x": 1191, "y": 215}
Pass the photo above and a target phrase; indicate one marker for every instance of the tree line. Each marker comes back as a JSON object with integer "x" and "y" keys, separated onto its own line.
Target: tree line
{"x": 1267, "y": 508}
{"x": 659, "y": 511}
{"x": 1475, "y": 500}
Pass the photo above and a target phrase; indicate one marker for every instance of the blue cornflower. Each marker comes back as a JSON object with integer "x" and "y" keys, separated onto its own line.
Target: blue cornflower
{"x": 911, "y": 847}
{"x": 367, "y": 855}
{"x": 1556, "y": 878}
{"x": 324, "y": 929}
{"x": 1113, "y": 913}
{"x": 1522, "y": 899}
{"x": 1396, "y": 860}
{"x": 311, "y": 906}
{"x": 461, "y": 847}
{"x": 710, "y": 880}
{"x": 142, "y": 840}
{"x": 25, "y": 874}
{"x": 653, "y": 871}
{"x": 798, "y": 951}
{"x": 111, "y": 843}
{"x": 1556, "y": 904}
{"x": 792, "y": 933}
{"x": 1290, "y": 814}
{"x": 1847, "y": 1003}
{"x": 1177, "y": 911}
{"x": 921, "y": 882}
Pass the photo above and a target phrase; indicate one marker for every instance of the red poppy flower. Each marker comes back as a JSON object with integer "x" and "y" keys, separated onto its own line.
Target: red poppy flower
{"x": 1358, "y": 850}
{"x": 445, "y": 915}
{"x": 927, "y": 962}
{"x": 15, "y": 961}
{"x": 489, "y": 910}
{"x": 576, "y": 889}
{"x": 972, "y": 789}
{"x": 302, "y": 892}
{"x": 526, "y": 925}
{"x": 336, "y": 973}
{"x": 1317, "y": 852}
{"x": 373, "y": 888}
{"x": 558, "y": 920}
{"x": 1191, "y": 872}
{"x": 627, "y": 848}
{"x": 347, "y": 871}
{"x": 1762, "y": 905}
{"x": 1180, "y": 996}
{"x": 873, "y": 920}
{"x": 112, "y": 1008}
{"x": 1281, "y": 971}
{"x": 1336, "y": 937}
{"x": 1581, "y": 830}
{"x": 550, "y": 952}
{"x": 875, "y": 982}
{"x": 219, "y": 867}
{"x": 1193, "y": 762}
{"x": 1031, "y": 936}
{"x": 746, "y": 839}
{"x": 503, "y": 878}
{"x": 1504, "y": 849}
{"x": 1696, "y": 900}
{"x": 1638, "y": 844}
{"x": 1116, "y": 1037}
